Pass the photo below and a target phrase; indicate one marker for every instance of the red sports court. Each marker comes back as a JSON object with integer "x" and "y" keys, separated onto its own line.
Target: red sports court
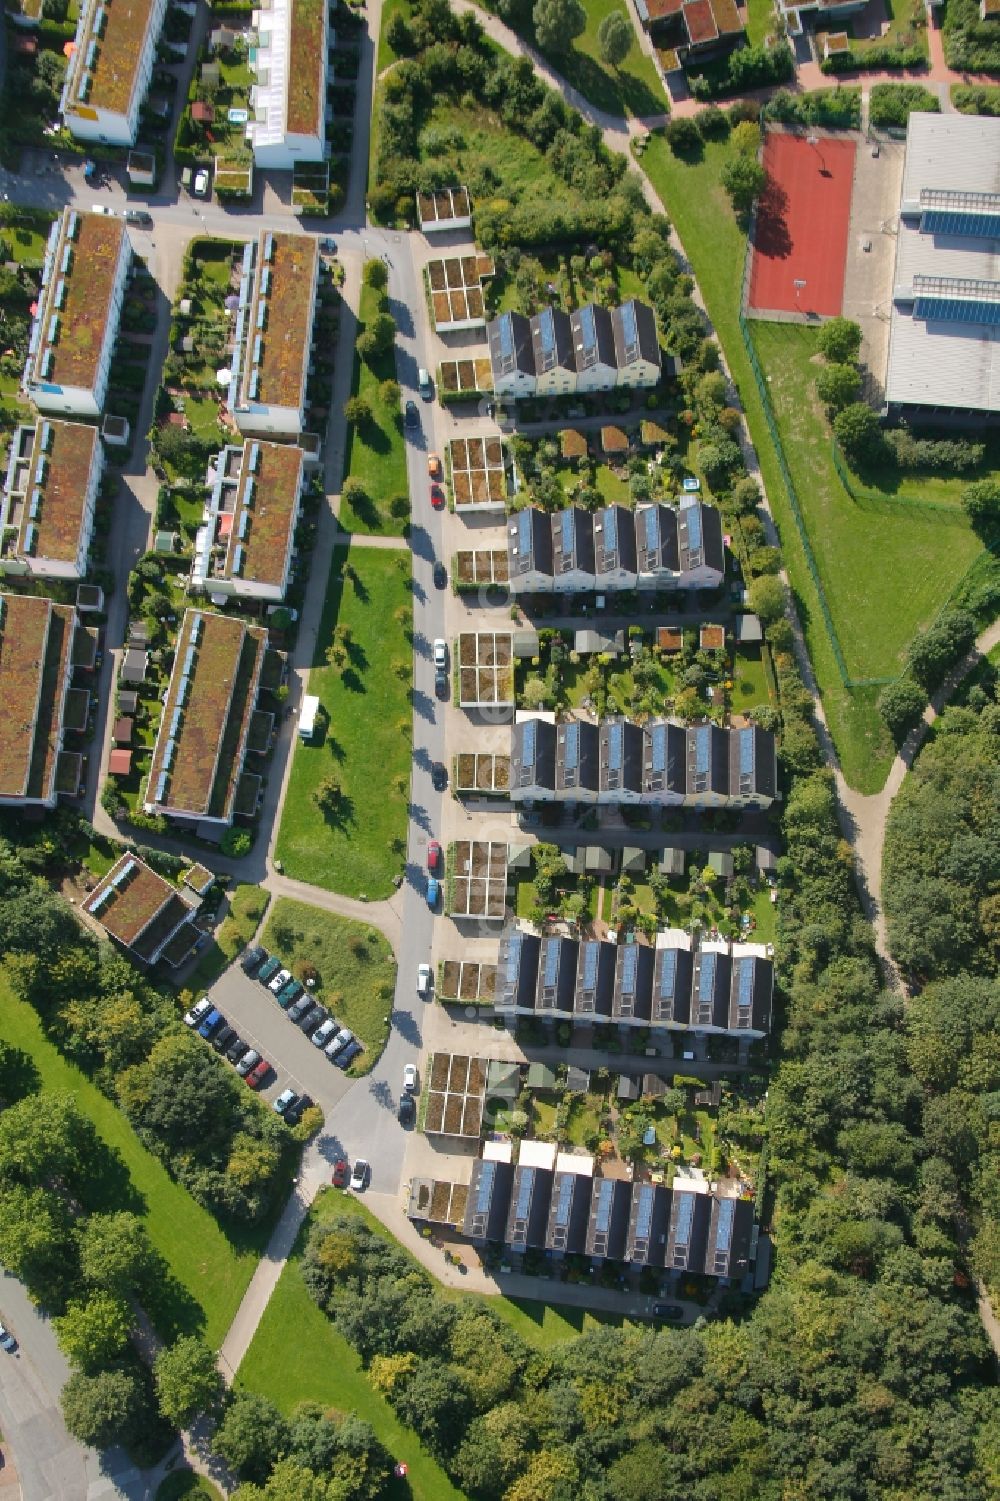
{"x": 803, "y": 216}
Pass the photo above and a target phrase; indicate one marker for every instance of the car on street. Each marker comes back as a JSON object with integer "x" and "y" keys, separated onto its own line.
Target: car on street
{"x": 671, "y": 1311}
{"x": 102, "y": 208}
{"x": 198, "y": 1010}
{"x": 268, "y": 970}
{"x": 411, "y": 415}
{"x": 258, "y": 1074}
{"x": 298, "y": 1009}
{"x": 298, "y": 1108}
{"x": 253, "y": 959}
{"x": 437, "y": 497}
{"x": 433, "y": 891}
{"x": 250, "y": 1060}
{"x": 359, "y": 1175}
{"x": 139, "y": 217}
{"x": 406, "y": 1111}
{"x": 425, "y": 385}
{"x": 341, "y": 1173}
{"x": 441, "y": 683}
{"x": 440, "y": 652}
{"x": 279, "y": 981}
{"x": 7, "y": 1340}
{"x": 433, "y": 855}
{"x": 434, "y": 465}
{"x": 410, "y": 1077}
{"x": 312, "y": 1018}
{"x": 236, "y": 1049}
{"x": 423, "y": 979}
{"x": 345, "y": 1055}
{"x": 439, "y": 776}
{"x": 324, "y": 1032}
{"x": 440, "y": 576}
{"x": 286, "y": 1098}
{"x": 223, "y": 1038}
{"x": 209, "y": 1022}
{"x": 201, "y": 184}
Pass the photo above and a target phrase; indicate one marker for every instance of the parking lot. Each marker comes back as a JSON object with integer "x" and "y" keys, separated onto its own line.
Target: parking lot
{"x": 260, "y": 1021}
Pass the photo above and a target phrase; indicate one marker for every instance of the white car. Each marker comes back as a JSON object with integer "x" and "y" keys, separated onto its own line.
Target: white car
{"x": 283, "y": 1101}
{"x": 201, "y": 184}
{"x": 247, "y": 1062}
{"x": 280, "y": 980}
{"x": 7, "y": 1340}
{"x": 440, "y": 653}
{"x": 423, "y": 979}
{"x": 324, "y": 1032}
{"x": 410, "y": 1078}
{"x": 198, "y": 1011}
{"x": 359, "y": 1175}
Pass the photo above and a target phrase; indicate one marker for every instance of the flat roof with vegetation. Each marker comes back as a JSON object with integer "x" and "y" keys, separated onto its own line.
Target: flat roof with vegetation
{"x": 213, "y": 703}
{"x": 119, "y": 49}
{"x": 36, "y": 639}
{"x": 305, "y": 109}
{"x": 272, "y": 509}
{"x": 137, "y": 906}
{"x": 83, "y": 307}
{"x": 290, "y": 278}
{"x": 69, "y": 450}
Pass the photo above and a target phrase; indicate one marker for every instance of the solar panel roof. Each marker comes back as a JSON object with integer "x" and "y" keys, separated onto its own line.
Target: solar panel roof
{"x": 572, "y": 747}
{"x": 693, "y": 514}
{"x": 605, "y": 1196}
{"x": 685, "y": 1216}
{"x": 529, "y": 741}
{"x": 524, "y": 1193}
{"x": 630, "y": 331}
{"x": 630, "y": 965}
{"x": 702, "y": 749}
{"x": 744, "y": 983}
{"x": 588, "y": 326}
{"x": 524, "y": 539}
{"x": 485, "y": 1191}
{"x": 567, "y": 1183}
{"x": 547, "y": 331}
{"x": 514, "y": 944}
{"x": 659, "y": 746}
{"x": 668, "y": 973}
{"x": 551, "y": 971}
{"x": 957, "y": 310}
{"x": 706, "y": 975}
{"x": 591, "y": 954}
{"x": 746, "y": 752}
{"x": 616, "y": 746}
{"x": 506, "y": 337}
{"x": 611, "y": 529}
{"x": 651, "y": 524}
{"x": 644, "y": 1218}
{"x": 566, "y": 530}
{"x": 724, "y": 1224}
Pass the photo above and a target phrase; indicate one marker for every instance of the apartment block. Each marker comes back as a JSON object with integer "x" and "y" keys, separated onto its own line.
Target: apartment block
{"x": 273, "y": 337}
{"x": 244, "y": 549}
{"x": 50, "y": 494}
{"x": 149, "y": 916}
{"x": 109, "y": 69}
{"x": 288, "y": 96}
{"x": 36, "y": 658}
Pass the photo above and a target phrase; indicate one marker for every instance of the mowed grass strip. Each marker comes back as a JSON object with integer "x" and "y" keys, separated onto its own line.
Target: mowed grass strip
{"x": 199, "y": 1256}
{"x": 376, "y": 452}
{"x": 356, "y": 973}
{"x": 545, "y": 1324}
{"x": 634, "y": 88}
{"x": 298, "y": 1356}
{"x": 367, "y": 744}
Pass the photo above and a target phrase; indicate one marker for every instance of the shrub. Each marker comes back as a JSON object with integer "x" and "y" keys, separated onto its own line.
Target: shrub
{"x": 840, "y": 341}
{"x": 893, "y": 103}
{"x": 901, "y": 704}
{"x": 683, "y": 137}
{"x": 859, "y": 433}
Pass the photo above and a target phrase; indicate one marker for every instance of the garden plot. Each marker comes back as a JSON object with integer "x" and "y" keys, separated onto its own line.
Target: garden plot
{"x": 479, "y": 474}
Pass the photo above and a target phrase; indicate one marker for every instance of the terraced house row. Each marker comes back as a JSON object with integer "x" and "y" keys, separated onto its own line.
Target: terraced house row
{"x": 574, "y": 551}
{"x": 617, "y": 760}
{"x": 713, "y": 987}
{"x": 557, "y": 353}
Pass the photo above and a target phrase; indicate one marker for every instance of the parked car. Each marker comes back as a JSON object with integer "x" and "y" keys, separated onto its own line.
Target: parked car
{"x": 406, "y": 1111}
{"x": 433, "y": 855}
{"x": 313, "y": 1017}
{"x": 441, "y": 683}
{"x": 223, "y": 1038}
{"x": 425, "y": 385}
{"x": 423, "y": 979}
{"x": 691, "y": 483}
{"x": 258, "y": 1074}
{"x": 298, "y": 1009}
{"x": 279, "y": 981}
{"x": 437, "y": 497}
{"x": 267, "y": 970}
{"x": 291, "y": 992}
{"x": 7, "y": 1340}
{"x": 324, "y": 1032}
{"x": 345, "y": 1055}
{"x": 440, "y": 576}
{"x": 250, "y": 1060}
{"x": 236, "y": 1049}
{"x": 439, "y": 776}
{"x": 341, "y": 1173}
{"x": 440, "y": 652}
{"x": 298, "y": 1108}
{"x": 671, "y": 1311}
{"x": 138, "y": 216}
{"x": 253, "y": 959}
{"x": 336, "y": 1043}
{"x": 198, "y": 1010}
{"x": 286, "y": 1098}
{"x": 434, "y": 465}
{"x": 201, "y": 184}
{"x": 410, "y": 1077}
{"x": 433, "y": 891}
{"x": 411, "y": 416}
{"x": 359, "y": 1175}
{"x": 208, "y": 1023}
{"x": 328, "y": 246}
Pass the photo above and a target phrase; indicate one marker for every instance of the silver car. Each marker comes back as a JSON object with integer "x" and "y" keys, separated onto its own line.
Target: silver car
{"x": 247, "y": 1062}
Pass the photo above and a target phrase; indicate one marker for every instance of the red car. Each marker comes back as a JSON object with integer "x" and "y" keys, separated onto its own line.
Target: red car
{"x": 258, "y": 1074}
{"x": 433, "y": 855}
{"x": 437, "y": 497}
{"x": 341, "y": 1173}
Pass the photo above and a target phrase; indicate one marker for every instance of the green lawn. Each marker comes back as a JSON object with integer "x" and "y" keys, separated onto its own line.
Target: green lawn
{"x": 386, "y": 56}
{"x": 696, "y": 202}
{"x": 545, "y": 1324}
{"x": 297, "y": 1356}
{"x": 760, "y": 20}
{"x": 376, "y": 453}
{"x": 750, "y": 685}
{"x": 356, "y": 973}
{"x": 367, "y": 744}
{"x": 207, "y": 1277}
{"x": 488, "y": 147}
{"x": 632, "y": 89}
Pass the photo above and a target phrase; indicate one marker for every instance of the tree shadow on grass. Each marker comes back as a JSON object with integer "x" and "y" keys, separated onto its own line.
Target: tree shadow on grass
{"x": 105, "y": 1184}
{"x": 353, "y": 681}
{"x": 171, "y": 1308}
{"x": 353, "y": 577}
{"x": 341, "y": 818}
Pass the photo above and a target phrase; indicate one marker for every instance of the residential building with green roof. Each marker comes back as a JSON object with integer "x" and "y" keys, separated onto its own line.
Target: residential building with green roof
{"x": 110, "y": 68}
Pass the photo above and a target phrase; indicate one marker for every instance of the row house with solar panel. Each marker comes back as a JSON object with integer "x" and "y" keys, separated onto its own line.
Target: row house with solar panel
{"x": 616, "y": 760}
{"x": 575, "y": 551}
{"x": 680, "y": 985}
{"x": 557, "y": 353}
{"x": 552, "y": 1202}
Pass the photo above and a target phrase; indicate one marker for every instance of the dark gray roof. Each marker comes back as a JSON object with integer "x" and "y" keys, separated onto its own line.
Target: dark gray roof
{"x": 634, "y": 325}
{"x": 517, "y": 968}
{"x": 664, "y": 747}
{"x": 568, "y": 1213}
{"x": 621, "y": 755}
{"x": 489, "y": 1200}
{"x": 529, "y": 1207}
{"x": 533, "y": 754}
{"x": 510, "y": 344}
{"x": 710, "y": 988}
{"x": 595, "y": 978}
{"x": 687, "y": 1238}
{"x": 707, "y": 759}
{"x": 593, "y": 337}
{"x": 672, "y": 975}
{"x": 577, "y": 765}
{"x": 556, "y": 974}
{"x": 699, "y": 537}
{"x": 649, "y": 1216}
{"x": 529, "y": 542}
{"x": 552, "y": 341}
{"x": 607, "y": 1224}
{"x": 730, "y": 1228}
{"x": 753, "y": 762}
{"x": 633, "y": 981}
{"x": 614, "y": 540}
{"x": 656, "y": 538}
{"x": 750, "y": 991}
{"x": 572, "y": 541}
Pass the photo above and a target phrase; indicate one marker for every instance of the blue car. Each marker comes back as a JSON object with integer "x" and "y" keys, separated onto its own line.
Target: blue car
{"x": 208, "y": 1025}
{"x": 433, "y": 891}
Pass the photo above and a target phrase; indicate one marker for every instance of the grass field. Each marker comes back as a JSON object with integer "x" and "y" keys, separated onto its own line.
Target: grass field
{"x": 632, "y": 89}
{"x": 696, "y": 202}
{"x": 376, "y": 453}
{"x": 760, "y": 20}
{"x": 386, "y": 56}
{"x": 207, "y": 1276}
{"x": 356, "y": 970}
{"x": 486, "y": 143}
{"x": 367, "y": 744}
{"x": 297, "y": 1356}
{"x": 543, "y": 1325}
